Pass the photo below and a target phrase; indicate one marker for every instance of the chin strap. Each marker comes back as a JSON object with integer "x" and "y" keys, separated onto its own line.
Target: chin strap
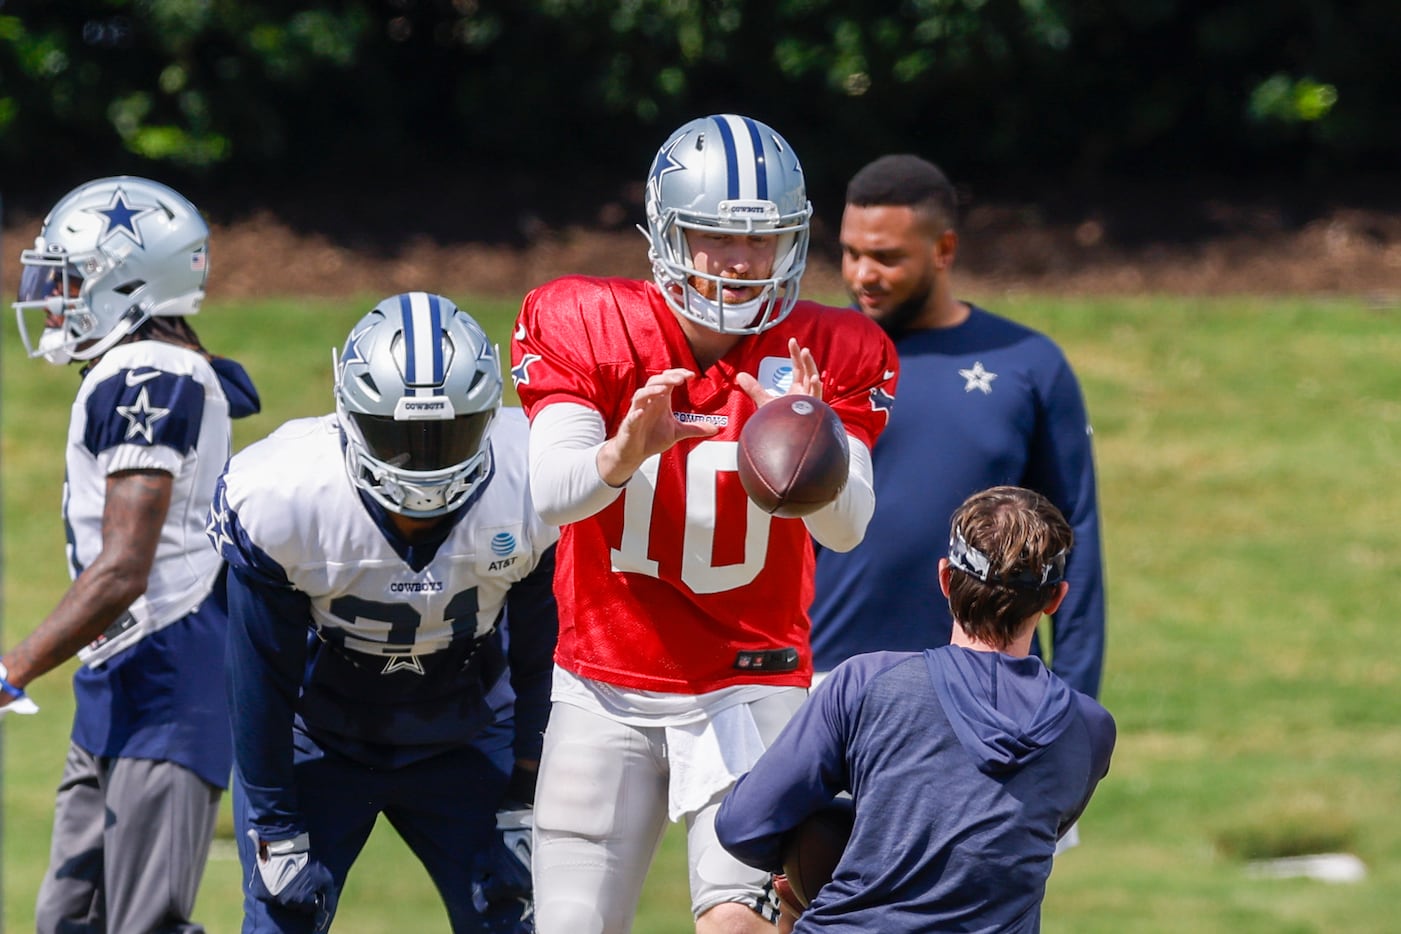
{"x": 716, "y": 313}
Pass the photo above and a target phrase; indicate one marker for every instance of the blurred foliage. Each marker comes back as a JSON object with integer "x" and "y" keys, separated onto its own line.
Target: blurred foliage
{"x": 259, "y": 88}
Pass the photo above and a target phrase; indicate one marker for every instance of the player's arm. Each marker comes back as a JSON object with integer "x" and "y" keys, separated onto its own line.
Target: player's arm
{"x": 501, "y": 881}
{"x": 798, "y": 774}
{"x": 841, "y": 524}
{"x": 1102, "y": 735}
{"x": 133, "y": 514}
{"x": 533, "y": 622}
{"x": 1061, "y": 466}
{"x": 267, "y": 650}
{"x": 650, "y": 427}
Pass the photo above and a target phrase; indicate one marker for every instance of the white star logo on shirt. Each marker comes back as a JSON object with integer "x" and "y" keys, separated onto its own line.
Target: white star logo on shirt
{"x": 403, "y": 663}
{"x": 141, "y": 416}
{"x": 978, "y": 378}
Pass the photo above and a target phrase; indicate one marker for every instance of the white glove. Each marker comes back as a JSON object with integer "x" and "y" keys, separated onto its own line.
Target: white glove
{"x": 287, "y": 875}
{"x": 501, "y": 885}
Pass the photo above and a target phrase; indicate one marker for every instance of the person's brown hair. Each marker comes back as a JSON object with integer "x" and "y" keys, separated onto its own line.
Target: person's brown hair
{"x": 1024, "y": 539}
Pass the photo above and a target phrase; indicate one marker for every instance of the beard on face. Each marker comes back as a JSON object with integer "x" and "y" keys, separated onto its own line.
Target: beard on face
{"x": 900, "y": 317}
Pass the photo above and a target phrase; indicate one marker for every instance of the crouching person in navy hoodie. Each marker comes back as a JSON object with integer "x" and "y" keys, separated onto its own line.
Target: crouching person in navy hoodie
{"x": 965, "y": 763}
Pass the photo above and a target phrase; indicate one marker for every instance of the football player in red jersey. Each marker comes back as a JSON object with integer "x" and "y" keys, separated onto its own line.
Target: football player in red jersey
{"x": 683, "y": 644}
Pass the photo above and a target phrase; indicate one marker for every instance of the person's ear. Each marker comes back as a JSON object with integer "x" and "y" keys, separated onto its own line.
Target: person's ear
{"x": 945, "y": 249}
{"x": 945, "y": 576}
{"x": 1061, "y": 590}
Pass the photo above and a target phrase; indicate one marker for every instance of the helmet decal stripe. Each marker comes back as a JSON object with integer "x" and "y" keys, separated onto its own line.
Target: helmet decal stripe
{"x": 423, "y": 352}
{"x": 744, "y": 157}
{"x": 410, "y": 350}
{"x": 761, "y": 175}
{"x": 727, "y": 139}
{"x": 435, "y": 345}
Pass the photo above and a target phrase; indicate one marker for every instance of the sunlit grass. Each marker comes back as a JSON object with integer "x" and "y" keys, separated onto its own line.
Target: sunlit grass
{"x": 1247, "y": 450}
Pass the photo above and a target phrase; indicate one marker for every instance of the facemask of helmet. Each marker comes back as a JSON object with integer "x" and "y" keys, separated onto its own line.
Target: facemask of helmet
{"x": 112, "y": 253}
{"x": 418, "y": 386}
{"x": 733, "y": 175}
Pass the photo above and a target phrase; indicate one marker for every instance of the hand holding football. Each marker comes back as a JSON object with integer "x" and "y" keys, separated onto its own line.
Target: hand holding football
{"x": 793, "y": 456}
{"x": 813, "y": 849}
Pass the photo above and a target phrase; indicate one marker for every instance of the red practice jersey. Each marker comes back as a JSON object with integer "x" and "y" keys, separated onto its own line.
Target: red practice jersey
{"x": 663, "y": 589}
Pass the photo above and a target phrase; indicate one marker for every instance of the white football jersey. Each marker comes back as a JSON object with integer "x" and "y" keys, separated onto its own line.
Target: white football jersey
{"x": 291, "y": 513}
{"x": 148, "y": 405}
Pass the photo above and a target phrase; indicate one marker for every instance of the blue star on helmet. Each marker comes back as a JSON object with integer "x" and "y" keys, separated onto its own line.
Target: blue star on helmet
{"x": 353, "y": 351}
{"x": 665, "y": 164}
{"x": 120, "y": 217}
{"x": 520, "y": 373}
{"x": 141, "y": 417}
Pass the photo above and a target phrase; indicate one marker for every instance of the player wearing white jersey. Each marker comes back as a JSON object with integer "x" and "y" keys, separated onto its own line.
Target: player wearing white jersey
{"x": 119, "y": 265}
{"x": 377, "y": 558}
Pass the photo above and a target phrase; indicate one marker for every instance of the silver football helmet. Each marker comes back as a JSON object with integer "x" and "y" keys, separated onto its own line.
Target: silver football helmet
{"x": 418, "y": 386}
{"x": 112, "y": 253}
{"x": 730, "y": 174}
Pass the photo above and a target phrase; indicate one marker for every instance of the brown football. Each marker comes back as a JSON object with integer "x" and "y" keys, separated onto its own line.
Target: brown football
{"x": 793, "y": 456}
{"x": 813, "y": 849}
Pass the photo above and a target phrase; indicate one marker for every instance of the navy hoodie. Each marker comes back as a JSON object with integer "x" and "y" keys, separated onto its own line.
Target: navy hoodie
{"x": 964, "y": 768}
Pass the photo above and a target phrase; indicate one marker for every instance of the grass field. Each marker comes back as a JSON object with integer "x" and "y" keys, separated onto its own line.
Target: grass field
{"x": 1247, "y": 452}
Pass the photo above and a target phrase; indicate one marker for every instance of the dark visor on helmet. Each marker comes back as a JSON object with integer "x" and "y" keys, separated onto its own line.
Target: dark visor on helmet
{"x": 423, "y": 445}
{"x": 37, "y": 283}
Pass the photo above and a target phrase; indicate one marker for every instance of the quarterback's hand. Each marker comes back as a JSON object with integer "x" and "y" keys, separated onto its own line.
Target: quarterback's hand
{"x": 807, "y": 378}
{"x": 287, "y": 875}
{"x": 501, "y": 875}
{"x": 649, "y": 427}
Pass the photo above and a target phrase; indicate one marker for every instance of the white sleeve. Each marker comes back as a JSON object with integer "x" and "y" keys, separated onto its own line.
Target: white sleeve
{"x": 564, "y": 481}
{"x": 841, "y": 525}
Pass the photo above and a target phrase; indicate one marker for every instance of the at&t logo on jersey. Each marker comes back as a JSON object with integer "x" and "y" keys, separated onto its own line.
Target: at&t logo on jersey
{"x": 498, "y": 548}
{"x": 776, "y": 374}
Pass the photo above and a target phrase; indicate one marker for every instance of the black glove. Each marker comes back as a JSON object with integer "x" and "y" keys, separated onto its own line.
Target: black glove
{"x": 287, "y": 875}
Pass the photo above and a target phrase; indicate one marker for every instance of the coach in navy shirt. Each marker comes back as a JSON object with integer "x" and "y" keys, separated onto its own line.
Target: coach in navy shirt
{"x": 965, "y": 763}
{"x": 983, "y": 401}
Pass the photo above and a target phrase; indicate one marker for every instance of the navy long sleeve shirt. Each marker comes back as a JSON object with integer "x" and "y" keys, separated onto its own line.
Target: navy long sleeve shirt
{"x": 988, "y": 402}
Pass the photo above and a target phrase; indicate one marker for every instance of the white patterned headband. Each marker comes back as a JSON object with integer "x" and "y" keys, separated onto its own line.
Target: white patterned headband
{"x": 970, "y": 560}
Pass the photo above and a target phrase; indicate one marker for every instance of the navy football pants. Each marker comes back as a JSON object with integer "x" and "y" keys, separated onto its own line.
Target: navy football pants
{"x": 443, "y": 807}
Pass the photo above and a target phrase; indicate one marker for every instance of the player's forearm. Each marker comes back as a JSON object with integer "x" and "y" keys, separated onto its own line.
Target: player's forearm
{"x": 266, "y": 655}
{"x": 841, "y": 525}
{"x": 91, "y": 604}
{"x": 565, "y": 480}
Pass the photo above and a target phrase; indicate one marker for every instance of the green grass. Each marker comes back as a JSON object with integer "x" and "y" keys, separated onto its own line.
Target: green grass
{"x": 1253, "y": 537}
